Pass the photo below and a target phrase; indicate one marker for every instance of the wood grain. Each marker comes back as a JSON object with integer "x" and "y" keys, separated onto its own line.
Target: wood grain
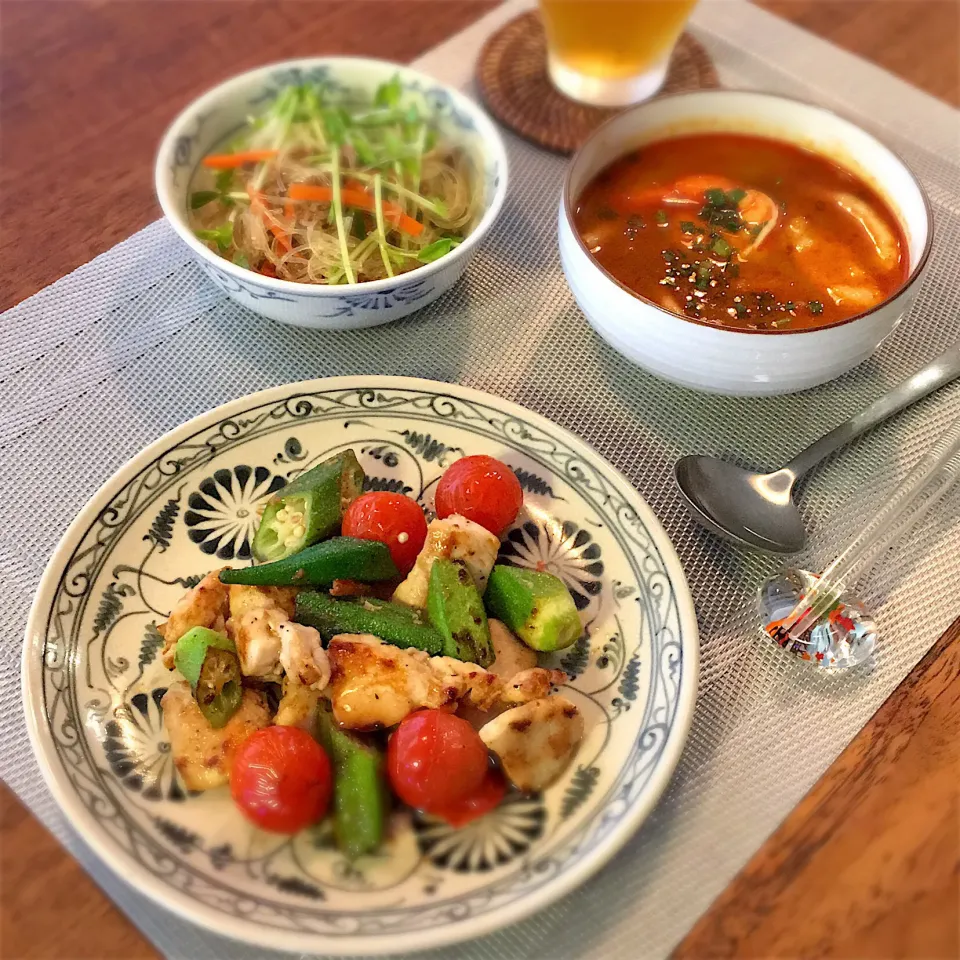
{"x": 49, "y": 907}
{"x": 867, "y": 865}
{"x": 89, "y": 88}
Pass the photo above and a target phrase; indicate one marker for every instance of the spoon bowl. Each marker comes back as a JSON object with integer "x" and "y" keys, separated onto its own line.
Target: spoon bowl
{"x": 757, "y": 509}
{"x": 753, "y": 509}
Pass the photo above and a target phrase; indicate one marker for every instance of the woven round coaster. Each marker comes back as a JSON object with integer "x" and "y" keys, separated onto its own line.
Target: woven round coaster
{"x": 513, "y": 81}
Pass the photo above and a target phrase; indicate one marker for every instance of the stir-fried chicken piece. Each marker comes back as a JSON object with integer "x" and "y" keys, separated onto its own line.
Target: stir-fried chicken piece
{"x": 298, "y": 708}
{"x": 203, "y": 606}
{"x": 243, "y": 599}
{"x": 535, "y": 741}
{"x": 510, "y": 655}
{"x": 455, "y": 538}
{"x": 302, "y": 656}
{"x": 269, "y": 643}
{"x": 374, "y": 684}
{"x": 257, "y": 638}
{"x": 202, "y": 755}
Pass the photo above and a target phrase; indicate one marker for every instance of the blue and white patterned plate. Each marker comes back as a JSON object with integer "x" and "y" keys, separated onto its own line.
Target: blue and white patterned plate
{"x": 93, "y": 679}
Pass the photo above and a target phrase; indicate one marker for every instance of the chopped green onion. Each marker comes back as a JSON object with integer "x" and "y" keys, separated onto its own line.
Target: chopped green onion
{"x": 661, "y": 216}
{"x": 816, "y": 307}
{"x": 688, "y": 226}
{"x": 735, "y": 195}
{"x": 721, "y": 248}
{"x": 715, "y": 197}
{"x": 702, "y": 271}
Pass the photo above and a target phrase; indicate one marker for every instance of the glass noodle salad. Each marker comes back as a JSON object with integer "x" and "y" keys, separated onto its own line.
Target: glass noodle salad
{"x": 330, "y": 187}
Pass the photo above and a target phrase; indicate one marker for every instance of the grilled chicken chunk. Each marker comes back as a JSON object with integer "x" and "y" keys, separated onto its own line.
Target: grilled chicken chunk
{"x": 257, "y": 638}
{"x": 268, "y": 642}
{"x": 510, "y": 655}
{"x": 202, "y": 755}
{"x": 511, "y": 658}
{"x": 374, "y": 684}
{"x": 243, "y": 599}
{"x": 298, "y": 708}
{"x": 302, "y": 655}
{"x": 455, "y": 538}
{"x": 535, "y": 741}
{"x": 203, "y": 606}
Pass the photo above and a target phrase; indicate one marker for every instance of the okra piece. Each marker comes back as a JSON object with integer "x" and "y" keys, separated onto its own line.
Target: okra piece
{"x": 208, "y": 661}
{"x": 309, "y": 508}
{"x": 456, "y": 609}
{"x": 360, "y": 798}
{"x": 340, "y": 558}
{"x": 392, "y": 622}
{"x": 535, "y": 605}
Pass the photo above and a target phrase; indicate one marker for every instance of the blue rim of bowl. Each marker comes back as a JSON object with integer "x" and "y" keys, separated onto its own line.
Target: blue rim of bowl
{"x": 567, "y": 203}
{"x": 118, "y": 860}
{"x": 210, "y": 100}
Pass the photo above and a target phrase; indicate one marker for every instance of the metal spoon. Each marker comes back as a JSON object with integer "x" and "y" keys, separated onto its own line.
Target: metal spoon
{"x": 757, "y": 509}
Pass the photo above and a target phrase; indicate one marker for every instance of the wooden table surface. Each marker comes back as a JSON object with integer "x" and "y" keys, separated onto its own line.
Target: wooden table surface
{"x": 868, "y": 865}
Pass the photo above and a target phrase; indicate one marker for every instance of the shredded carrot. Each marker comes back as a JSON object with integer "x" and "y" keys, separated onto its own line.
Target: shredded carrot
{"x": 354, "y": 197}
{"x": 257, "y": 204}
{"x": 228, "y": 161}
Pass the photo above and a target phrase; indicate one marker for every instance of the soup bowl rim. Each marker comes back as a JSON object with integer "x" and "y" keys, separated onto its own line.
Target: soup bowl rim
{"x": 214, "y": 97}
{"x": 568, "y": 201}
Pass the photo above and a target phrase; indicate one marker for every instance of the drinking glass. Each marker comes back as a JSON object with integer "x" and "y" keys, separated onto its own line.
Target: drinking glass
{"x": 611, "y": 53}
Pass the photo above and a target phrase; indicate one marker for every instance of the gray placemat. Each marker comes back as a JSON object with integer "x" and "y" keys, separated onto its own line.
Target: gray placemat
{"x": 132, "y": 344}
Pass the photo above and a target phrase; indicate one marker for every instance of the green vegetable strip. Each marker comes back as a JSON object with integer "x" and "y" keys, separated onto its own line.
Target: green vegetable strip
{"x": 284, "y": 108}
{"x": 432, "y": 206}
{"x": 338, "y": 214}
{"x": 381, "y": 233}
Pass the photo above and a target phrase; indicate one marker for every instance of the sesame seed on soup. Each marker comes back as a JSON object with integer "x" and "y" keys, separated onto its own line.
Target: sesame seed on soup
{"x": 743, "y": 231}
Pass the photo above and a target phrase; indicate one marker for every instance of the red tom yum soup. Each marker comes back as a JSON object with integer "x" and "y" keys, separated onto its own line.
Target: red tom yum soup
{"x": 744, "y": 232}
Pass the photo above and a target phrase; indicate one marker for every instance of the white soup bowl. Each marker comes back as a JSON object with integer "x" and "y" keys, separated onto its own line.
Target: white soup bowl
{"x": 727, "y": 360}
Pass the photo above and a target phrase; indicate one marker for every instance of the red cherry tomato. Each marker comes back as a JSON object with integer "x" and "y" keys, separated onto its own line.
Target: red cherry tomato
{"x": 479, "y": 803}
{"x": 392, "y": 519}
{"x": 481, "y": 489}
{"x": 281, "y": 779}
{"x": 435, "y": 759}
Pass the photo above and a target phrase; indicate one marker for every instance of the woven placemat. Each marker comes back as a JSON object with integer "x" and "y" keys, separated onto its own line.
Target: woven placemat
{"x": 513, "y": 81}
{"x": 106, "y": 360}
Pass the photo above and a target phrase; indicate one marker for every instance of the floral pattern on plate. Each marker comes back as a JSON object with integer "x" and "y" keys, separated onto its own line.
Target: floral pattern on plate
{"x": 94, "y": 677}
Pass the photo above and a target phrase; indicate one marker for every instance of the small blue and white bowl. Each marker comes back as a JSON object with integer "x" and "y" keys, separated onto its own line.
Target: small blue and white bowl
{"x": 222, "y": 111}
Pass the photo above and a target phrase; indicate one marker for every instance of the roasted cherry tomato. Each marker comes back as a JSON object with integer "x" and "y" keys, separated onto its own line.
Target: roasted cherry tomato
{"x": 435, "y": 759}
{"x": 481, "y": 489}
{"x": 281, "y": 779}
{"x": 392, "y": 519}
{"x": 484, "y": 799}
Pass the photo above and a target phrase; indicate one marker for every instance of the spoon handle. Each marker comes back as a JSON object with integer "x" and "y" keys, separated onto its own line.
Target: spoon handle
{"x": 932, "y": 377}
